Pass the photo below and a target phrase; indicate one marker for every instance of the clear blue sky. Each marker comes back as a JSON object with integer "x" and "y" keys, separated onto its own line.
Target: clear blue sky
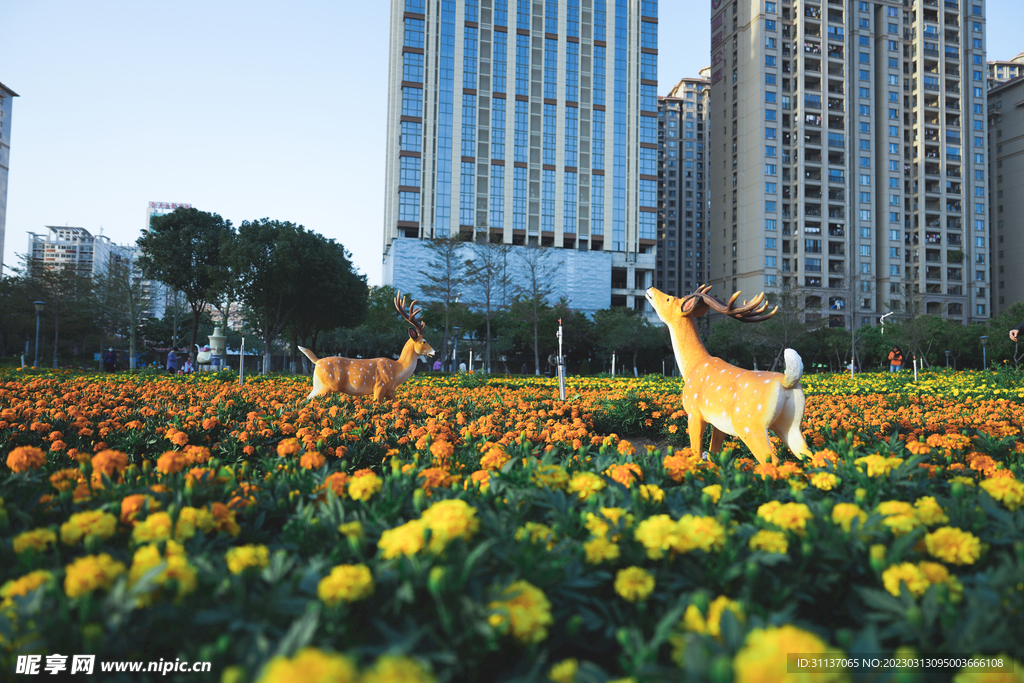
{"x": 247, "y": 109}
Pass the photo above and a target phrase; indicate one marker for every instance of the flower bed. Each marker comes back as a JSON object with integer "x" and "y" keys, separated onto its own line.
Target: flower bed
{"x": 481, "y": 529}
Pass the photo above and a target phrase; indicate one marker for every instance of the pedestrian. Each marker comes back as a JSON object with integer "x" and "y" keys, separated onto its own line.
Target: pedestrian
{"x": 110, "y": 360}
{"x": 1014, "y": 331}
{"x": 172, "y": 362}
{"x": 187, "y": 367}
{"x": 437, "y": 365}
{"x": 895, "y": 359}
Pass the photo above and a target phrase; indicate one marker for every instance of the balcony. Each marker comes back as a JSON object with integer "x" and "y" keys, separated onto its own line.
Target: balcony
{"x": 834, "y": 177}
{"x": 836, "y": 212}
{"x": 836, "y": 231}
{"x": 812, "y": 210}
{"x": 953, "y": 207}
{"x": 836, "y": 194}
{"x": 954, "y": 274}
{"x": 812, "y": 48}
{"x": 836, "y": 248}
{"x": 933, "y": 273}
{"x": 836, "y": 267}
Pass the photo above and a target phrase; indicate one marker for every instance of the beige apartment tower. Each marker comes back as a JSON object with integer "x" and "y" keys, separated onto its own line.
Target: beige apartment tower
{"x": 1006, "y": 150}
{"x": 849, "y": 160}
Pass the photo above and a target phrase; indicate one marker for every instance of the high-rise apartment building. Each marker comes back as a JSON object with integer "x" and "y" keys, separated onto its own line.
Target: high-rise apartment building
{"x": 1002, "y": 71}
{"x": 849, "y": 157}
{"x": 529, "y": 122}
{"x": 75, "y": 248}
{"x": 6, "y": 106}
{"x": 683, "y": 191}
{"x": 1006, "y": 176}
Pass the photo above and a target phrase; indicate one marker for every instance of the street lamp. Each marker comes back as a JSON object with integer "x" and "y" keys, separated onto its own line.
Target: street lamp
{"x": 947, "y": 358}
{"x": 455, "y": 349}
{"x": 984, "y": 355}
{"x": 39, "y": 309}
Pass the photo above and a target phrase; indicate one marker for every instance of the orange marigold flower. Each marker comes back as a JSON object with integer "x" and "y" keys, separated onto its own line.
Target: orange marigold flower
{"x": 171, "y": 462}
{"x": 178, "y": 438}
{"x": 66, "y": 479}
{"x": 495, "y": 458}
{"x": 132, "y": 505}
{"x": 312, "y": 460}
{"x": 435, "y": 477}
{"x": 626, "y": 448}
{"x": 109, "y": 463}
{"x": 679, "y": 463}
{"x": 288, "y": 447}
{"x": 337, "y": 482}
{"x": 58, "y": 445}
{"x": 626, "y": 473}
{"x": 25, "y": 458}
{"x": 225, "y": 519}
{"x": 442, "y": 451}
{"x": 918, "y": 448}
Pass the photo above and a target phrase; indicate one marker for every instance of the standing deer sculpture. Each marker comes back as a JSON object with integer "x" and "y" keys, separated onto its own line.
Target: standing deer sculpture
{"x": 734, "y": 401}
{"x": 379, "y": 376}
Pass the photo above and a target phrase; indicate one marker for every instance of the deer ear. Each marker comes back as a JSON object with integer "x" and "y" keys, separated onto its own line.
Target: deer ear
{"x": 413, "y": 333}
{"x": 688, "y": 304}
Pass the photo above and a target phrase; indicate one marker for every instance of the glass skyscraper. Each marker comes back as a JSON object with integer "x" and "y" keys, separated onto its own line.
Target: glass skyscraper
{"x": 529, "y": 122}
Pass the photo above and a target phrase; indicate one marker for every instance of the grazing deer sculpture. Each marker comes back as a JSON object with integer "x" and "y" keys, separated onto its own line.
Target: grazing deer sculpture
{"x": 741, "y": 403}
{"x": 379, "y": 376}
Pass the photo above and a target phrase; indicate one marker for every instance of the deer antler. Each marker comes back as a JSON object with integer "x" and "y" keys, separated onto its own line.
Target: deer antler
{"x": 411, "y": 314}
{"x": 752, "y": 312}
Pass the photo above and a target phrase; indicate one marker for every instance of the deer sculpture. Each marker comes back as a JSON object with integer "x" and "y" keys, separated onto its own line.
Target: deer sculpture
{"x": 741, "y": 403}
{"x": 379, "y": 376}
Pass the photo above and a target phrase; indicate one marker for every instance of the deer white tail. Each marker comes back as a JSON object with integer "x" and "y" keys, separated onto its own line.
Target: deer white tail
{"x": 309, "y": 354}
{"x": 794, "y": 368}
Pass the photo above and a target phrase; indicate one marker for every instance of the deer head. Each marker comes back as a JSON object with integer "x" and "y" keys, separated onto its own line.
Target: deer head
{"x": 412, "y": 314}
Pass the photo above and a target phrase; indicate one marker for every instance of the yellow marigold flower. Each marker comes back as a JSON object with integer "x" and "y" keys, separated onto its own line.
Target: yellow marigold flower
{"x": 938, "y": 574}
{"x": 652, "y": 492}
{"x": 953, "y": 545}
{"x": 21, "y": 586}
{"x": 797, "y": 484}
{"x": 535, "y": 532}
{"x": 763, "y": 657}
{"x": 364, "y": 484}
{"x": 788, "y": 516}
{"x": 625, "y": 448}
{"x": 770, "y": 542}
{"x": 66, "y": 479}
{"x": 448, "y": 520}
{"x": 599, "y": 549}
{"x": 877, "y": 465}
{"x": 585, "y": 484}
{"x": 929, "y": 512}
{"x": 1013, "y": 671}
{"x": 495, "y": 458}
{"x": 346, "y": 583}
{"x": 87, "y": 523}
{"x": 552, "y": 477}
{"x": 397, "y": 669}
{"x": 156, "y": 527}
{"x": 36, "y": 539}
{"x": 599, "y": 524}
{"x": 877, "y": 552}
{"x": 288, "y": 447}
{"x": 192, "y": 519}
{"x": 177, "y": 567}
{"x": 899, "y": 516}
{"x": 481, "y": 479}
{"x": 634, "y": 584}
{"x": 564, "y": 671}
{"x": 826, "y": 481}
{"x": 24, "y": 458}
{"x": 694, "y": 620}
{"x": 1009, "y": 492}
{"x": 91, "y": 572}
{"x": 657, "y": 534}
{"x": 523, "y": 611}
{"x": 907, "y": 573}
{"x": 171, "y": 462}
{"x": 700, "y": 533}
{"x": 310, "y": 665}
{"x": 244, "y": 556}
{"x": 714, "y": 491}
{"x": 406, "y": 539}
{"x": 351, "y": 529}
{"x": 312, "y": 460}
{"x": 966, "y": 481}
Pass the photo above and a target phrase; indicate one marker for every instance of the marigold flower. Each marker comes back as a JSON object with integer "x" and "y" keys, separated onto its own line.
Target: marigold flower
{"x": 192, "y": 519}
{"x": 495, "y": 458}
{"x": 523, "y": 611}
{"x": 625, "y": 448}
{"x": 312, "y": 460}
{"x": 351, "y": 529}
{"x": 310, "y": 665}
{"x": 87, "y": 523}
{"x": 481, "y": 479}
{"x": 224, "y": 519}
{"x": 899, "y": 516}
{"x": 132, "y": 505}
{"x": 535, "y": 532}
{"x": 1009, "y": 492}
{"x": 448, "y": 520}
{"x": 953, "y": 545}
{"x": 406, "y": 539}
{"x": 929, "y": 512}
{"x": 679, "y": 463}
{"x": 599, "y": 549}
{"x": 337, "y": 482}
{"x": 441, "y": 451}
{"x": 66, "y": 479}
{"x": 585, "y": 484}
{"x": 908, "y": 574}
{"x": 288, "y": 447}
{"x": 156, "y": 527}
{"x": 634, "y": 584}
{"x": 652, "y": 492}
{"x": 877, "y": 465}
{"x": 551, "y": 476}
{"x": 435, "y": 477}
{"x": 22, "y": 586}
{"x": 694, "y": 620}
{"x": 397, "y": 669}
{"x": 24, "y": 458}
{"x": 826, "y": 481}
{"x": 564, "y": 671}
{"x": 242, "y": 557}
{"x": 770, "y": 542}
{"x": 171, "y": 462}
{"x": 177, "y": 568}
{"x": 626, "y": 473}
{"x": 38, "y": 540}
{"x": 714, "y": 491}
{"x": 346, "y": 583}
{"x": 765, "y": 650}
{"x": 788, "y": 516}
{"x": 90, "y": 573}
{"x": 109, "y": 462}
{"x": 843, "y": 514}
{"x": 823, "y": 457}
{"x": 364, "y": 484}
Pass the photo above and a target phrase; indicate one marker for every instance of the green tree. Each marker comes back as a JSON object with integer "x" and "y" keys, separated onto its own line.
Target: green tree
{"x": 446, "y": 273}
{"x": 534, "y": 264}
{"x": 488, "y": 274}
{"x": 183, "y": 249}
{"x": 121, "y": 298}
{"x": 622, "y": 330}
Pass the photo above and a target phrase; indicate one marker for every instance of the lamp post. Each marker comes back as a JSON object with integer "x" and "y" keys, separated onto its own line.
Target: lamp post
{"x": 39, "y": 309}
{"x": 947, "y": 358}
{"x": 455, "y": 348}
{"x": 984, "y": 355}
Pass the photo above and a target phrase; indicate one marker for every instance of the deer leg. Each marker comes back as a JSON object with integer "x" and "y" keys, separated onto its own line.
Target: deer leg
{"x": 695, "y": 425}
{"x": 717, "y": 437}
{"x": 787, "y": 426}
{"x": 760, "y": 445}
{"x": 317, "y": 386}
{"x": 381, "y": 385}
